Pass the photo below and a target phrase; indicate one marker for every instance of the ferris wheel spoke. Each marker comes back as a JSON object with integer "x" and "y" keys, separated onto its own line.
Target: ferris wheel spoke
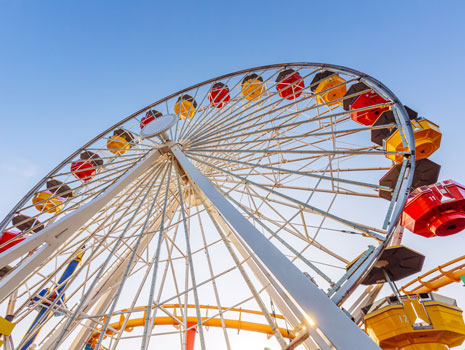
{"x": 220, "y": 226}
{"x": 369, "y": 151}
{"x": 224, "y": 115}
{"x": 310, "y": 159}
{"x": 149, "y": 321}
{"x": 289, "y": 142}
{"x": 214, "y": 285}
{"x": 337, "y": 190}
{"x": 282, "y": 241}
{"x": 275, "y": 172}
{"x": 205, "y": 112}
{"x": 262, "y": 107}
{"x": 191, "y": 267}
{"x": 313, "y": 209}
{"x": 94, "y": 282}
{"x": 284, "y": 227}
{"x": 309, "y": 134}
{"x": 32, "y": 331}
{"x": 48, "y": 278}
{"x": 318, "y": 117}
{"x": 290, "y": 171}
{"x": 134, "y": 251}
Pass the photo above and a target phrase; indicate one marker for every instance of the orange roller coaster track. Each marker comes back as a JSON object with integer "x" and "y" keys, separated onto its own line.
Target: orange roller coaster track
{"x": 439, "y": 277}
{"x": 214, "y": 321}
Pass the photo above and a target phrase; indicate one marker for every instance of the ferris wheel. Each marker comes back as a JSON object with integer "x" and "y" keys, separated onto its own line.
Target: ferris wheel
{"x": 250, "y": 202}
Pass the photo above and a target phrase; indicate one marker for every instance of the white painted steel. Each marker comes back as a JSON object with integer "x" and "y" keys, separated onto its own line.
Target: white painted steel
{"x": 340, "y": 330}
{"x": 54, "y": 235}
{"x": 281, "y": 165}
{"x": 158, "y": 125}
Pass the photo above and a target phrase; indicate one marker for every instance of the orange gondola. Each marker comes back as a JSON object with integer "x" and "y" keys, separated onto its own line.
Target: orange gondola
{"x": 252, "y": 87}
{"x": 185, "y": 106}
{"x": 328, "y": 87}
{"x": 120, "y": 142}
{"x": 427, "y": 140}
{"x": 387, "y": 118}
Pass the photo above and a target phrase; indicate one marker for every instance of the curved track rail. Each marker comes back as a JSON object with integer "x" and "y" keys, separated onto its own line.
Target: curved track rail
{"x": 213, "y": 321}
{"x": 437, "y": 278}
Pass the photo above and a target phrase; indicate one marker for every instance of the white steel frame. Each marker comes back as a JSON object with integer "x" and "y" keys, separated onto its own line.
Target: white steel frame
{"x": 198, "y": 149}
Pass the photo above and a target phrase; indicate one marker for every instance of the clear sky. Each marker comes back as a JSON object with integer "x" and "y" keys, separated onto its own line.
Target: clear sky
{"x": 70, "y": 69}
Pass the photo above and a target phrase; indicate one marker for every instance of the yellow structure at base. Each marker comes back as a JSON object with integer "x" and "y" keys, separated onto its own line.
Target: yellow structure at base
{"x": 118, "y": 145}
{"x": 47, "y": 201}
{"x": 184, "y": 109}
{"x": 252, "y": 89}
{"x": 331, "y": 94}
{"x": 427, "y": 140}
{"x": 429, "y": 323}
{"x": 426, "y": 347}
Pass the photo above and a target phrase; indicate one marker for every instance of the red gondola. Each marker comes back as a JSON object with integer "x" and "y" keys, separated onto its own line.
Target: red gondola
{"x": 86, "y": 168}
{"x": 83, "y": 170}
{"x": 149, "y": 116}
{"x": 436, "y": 210}
{"x": 290, "y": 84}
{"x": 6, "y": 236}
{"x": 219, "y": 95}
{"x": 368, "y": 117}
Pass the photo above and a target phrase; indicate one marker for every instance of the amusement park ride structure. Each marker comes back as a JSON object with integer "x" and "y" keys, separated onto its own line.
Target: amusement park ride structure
{"x": 291, "y": 183}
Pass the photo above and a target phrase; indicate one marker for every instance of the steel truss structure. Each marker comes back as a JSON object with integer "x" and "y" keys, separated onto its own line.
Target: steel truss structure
{"x": 264, "y": 204}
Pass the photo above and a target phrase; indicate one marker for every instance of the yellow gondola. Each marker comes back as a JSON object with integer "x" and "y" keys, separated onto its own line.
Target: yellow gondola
{"x": 118, "y": 145}
{"x": 327, "y": 82}
{"x": 427, "y": 140}
{"x": 48, "y": 202}
{"x": 120, "y": 142}
{"x": 417, "y": 322}
{"x": 252, "y": 87}
{"x": 185, "y": 106}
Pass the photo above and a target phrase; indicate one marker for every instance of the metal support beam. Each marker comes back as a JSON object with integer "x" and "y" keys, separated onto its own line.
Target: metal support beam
{"x": 318, "y": 309}
{"x": 105, "y": 291}
{"x": 288, "y": 310}
{"x": 50, "y": 238}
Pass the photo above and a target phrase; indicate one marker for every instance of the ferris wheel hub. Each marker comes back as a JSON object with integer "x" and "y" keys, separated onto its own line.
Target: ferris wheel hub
{"x": 158, "y": 126}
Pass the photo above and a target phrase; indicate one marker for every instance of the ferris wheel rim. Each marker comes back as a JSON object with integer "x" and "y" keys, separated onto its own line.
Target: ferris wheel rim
{"x": 349, "y": 71}
{"x": 374, "y": 83}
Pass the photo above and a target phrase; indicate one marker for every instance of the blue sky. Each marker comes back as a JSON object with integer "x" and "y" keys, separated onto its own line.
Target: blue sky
{"x": 69, "y": 69}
